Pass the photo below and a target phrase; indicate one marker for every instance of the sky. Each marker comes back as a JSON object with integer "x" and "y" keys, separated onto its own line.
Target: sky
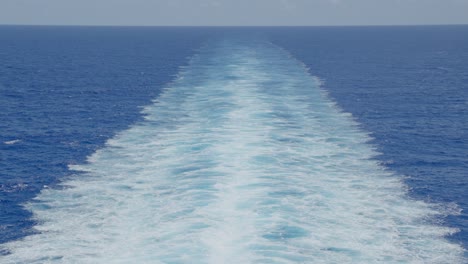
{"x": 233, "y": 12}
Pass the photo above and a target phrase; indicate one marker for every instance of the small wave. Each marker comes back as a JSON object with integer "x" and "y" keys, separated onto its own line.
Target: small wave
{"x": 12, "y": 142}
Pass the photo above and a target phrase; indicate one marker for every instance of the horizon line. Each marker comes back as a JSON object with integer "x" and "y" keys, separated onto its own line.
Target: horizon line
{"x": 232, "y": 26}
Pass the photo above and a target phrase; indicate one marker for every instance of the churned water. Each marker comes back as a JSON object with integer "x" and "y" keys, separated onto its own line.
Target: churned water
{"x": 243, "y": 158}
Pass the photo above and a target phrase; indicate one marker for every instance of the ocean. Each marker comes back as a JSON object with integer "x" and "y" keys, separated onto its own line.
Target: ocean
{"x": 233, "y": 145}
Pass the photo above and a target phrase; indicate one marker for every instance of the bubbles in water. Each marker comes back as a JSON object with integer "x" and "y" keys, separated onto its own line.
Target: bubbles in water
{"x": 243, "y": 159}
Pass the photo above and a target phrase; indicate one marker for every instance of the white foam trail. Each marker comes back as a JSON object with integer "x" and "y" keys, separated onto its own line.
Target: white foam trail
{"x": 243, "y": 159}
{"x": 11, "y": 142}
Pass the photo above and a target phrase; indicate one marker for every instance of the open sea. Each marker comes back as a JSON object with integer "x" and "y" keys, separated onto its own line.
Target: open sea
{"x": 234, "y": 145}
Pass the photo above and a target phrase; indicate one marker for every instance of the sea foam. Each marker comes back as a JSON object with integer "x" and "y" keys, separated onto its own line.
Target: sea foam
{"x": 242, "y": 159}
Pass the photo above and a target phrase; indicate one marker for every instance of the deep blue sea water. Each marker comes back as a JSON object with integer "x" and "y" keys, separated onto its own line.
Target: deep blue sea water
{"x": 65, "y": 91}
{"x": 408, "y": 86}
{"x": 262, "y": 145}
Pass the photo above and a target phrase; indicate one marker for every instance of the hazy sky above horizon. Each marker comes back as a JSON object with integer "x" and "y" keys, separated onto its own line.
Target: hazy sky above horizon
{"x": 233, "y": 12}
